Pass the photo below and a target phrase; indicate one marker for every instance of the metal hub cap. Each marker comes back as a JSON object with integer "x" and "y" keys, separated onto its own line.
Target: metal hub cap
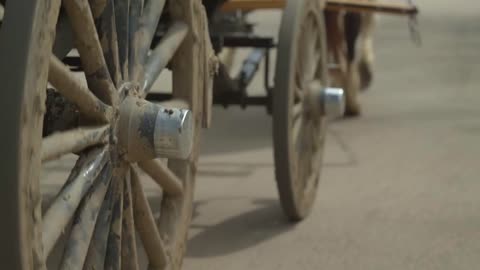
{"x": 147, "y": 130}
{"x": 326, "y": 100}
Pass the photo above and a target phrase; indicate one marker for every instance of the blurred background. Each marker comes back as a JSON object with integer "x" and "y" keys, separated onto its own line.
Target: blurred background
{"x": 400, "y": 185}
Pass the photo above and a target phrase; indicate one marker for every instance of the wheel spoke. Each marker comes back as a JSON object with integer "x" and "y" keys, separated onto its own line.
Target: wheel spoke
{"x": 297, "y": 111}
{"x": 144, "y": 34}
{"x": 297, "y": 126}
{"x": 129, "y": 248}
{"x": 298, "y": 139}
{"x": 163, "y": 176}
{"x": 298, "y": 93}
{"x": 309, "y": 51}
{"x": 122, "y": 22}
{"x": 114, "y": 245}
{"x": 163, "y": 53}
{"x": 135, "y": 13}
{"x": 299, "y": 75}
{"x": 98, "y": 245}
{"x": 146, "y": 227}
{"x": 104, "y": 16}
{"x": 60, "y": 115}
{"x": 72, "y": 89}
{"x": 310, "y": 153}
{"x": 79, "y": 182}
{"x": 306, "y": 151}
{"x": 91, "y": 54}
{"x": 316, "y": 164}
{"x": 61, "y": 143}
{"x": 84, "y": 222}
{"x": 319, "y": 132}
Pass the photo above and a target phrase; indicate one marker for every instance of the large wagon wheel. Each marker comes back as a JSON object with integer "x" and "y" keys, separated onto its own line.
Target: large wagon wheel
{"x": 300, "y": 104}
{"x": 116, "y": 132}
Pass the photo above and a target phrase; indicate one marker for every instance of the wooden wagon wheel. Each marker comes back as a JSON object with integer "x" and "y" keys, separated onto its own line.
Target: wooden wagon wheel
{"x": 298, "y": 112}
{"x": 117, "y": 131}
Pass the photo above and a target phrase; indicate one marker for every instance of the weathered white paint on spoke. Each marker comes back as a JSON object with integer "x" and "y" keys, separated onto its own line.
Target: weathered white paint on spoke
{"x": 146, "y": 226}
{"x": 129, "y": 246}
{"x": 98, "y": 245}
{"x": 61, "y": 143}
{"x": 84, "y": 222}
{"x": 81, "y": 178}
{"x": 114, "y": 245}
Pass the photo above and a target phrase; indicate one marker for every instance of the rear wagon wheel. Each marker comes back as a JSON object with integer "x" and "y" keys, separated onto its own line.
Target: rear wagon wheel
{"x": 102, "y": 206}
{"x": 298, "y": 128}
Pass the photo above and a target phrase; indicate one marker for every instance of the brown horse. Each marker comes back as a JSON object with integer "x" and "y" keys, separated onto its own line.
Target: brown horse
{"x": 351, "y": 50}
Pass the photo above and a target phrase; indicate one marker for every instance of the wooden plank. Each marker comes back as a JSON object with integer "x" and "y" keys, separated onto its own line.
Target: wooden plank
{"x": 379, "y": 6}
{"x": 247, "y": 5}
{"x": 383, "y": 6}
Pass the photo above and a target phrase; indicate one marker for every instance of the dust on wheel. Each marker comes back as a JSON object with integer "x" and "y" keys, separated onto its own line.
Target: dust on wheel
{"x": 101, "y": 208}
{"x": 298, "y": 123}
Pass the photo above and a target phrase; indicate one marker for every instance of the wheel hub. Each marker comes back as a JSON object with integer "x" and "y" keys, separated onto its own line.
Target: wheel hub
{"x": 147, "y": 130}
{"x": 327, "y": 101}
